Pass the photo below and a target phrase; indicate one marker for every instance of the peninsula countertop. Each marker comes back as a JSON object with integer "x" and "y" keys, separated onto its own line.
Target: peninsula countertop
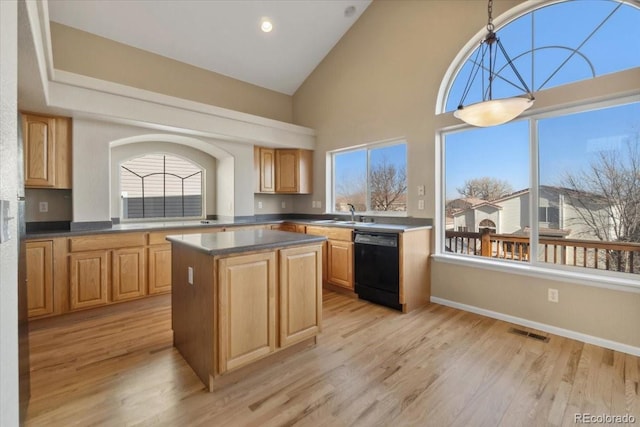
{"x": 228, "y": 242}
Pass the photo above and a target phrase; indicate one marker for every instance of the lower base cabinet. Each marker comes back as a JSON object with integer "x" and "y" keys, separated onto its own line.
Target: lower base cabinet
{"x": 39, "y": 263}
{"x": 340, "y": 263}
{"x": 88, "y": 286}
{"x": 263, "y": 303}
{"x": 247, "y": 309}
{"x": 300, "y": 294}
{"x": 128, "y": 274}
{"x": 159, "y": 276}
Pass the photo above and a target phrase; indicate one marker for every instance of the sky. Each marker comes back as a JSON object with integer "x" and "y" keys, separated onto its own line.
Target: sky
{"x": 566, "y": 143}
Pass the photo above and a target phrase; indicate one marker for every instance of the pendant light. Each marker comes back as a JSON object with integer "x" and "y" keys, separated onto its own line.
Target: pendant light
{"x": 492, "y": 112}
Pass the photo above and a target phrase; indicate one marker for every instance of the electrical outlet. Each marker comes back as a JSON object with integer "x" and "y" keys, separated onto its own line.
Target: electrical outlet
{"x": 420, "y": 204}
{"x": 318, "y": 204}
{"x": 43, "y": 206}
{"x": 553, "y": 295}
{"x": 259, "y": 205}
{"x": 313, "y": 203}
{"x": 190, "y": 275}
{"x": 420, "y": 190}
{"x": 284, "y": 205}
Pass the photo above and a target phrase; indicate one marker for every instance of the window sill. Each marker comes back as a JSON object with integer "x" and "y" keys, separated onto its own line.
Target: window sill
{"x": 558, "y": 274}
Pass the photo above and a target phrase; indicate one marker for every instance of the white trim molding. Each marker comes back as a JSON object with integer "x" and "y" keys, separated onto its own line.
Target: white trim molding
{"x": 578, "y": 336}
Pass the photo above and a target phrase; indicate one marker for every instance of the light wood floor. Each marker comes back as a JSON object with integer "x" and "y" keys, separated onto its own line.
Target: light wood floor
{"x": 372, "y": 366}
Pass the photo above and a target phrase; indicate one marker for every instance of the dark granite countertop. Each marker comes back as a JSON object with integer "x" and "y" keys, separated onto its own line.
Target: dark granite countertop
{"x": 396, "y": 227}
{"x": 228, "y": 242}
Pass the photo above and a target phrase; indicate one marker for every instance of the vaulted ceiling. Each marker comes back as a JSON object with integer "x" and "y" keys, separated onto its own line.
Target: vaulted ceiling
{"x": 223, "y": 36}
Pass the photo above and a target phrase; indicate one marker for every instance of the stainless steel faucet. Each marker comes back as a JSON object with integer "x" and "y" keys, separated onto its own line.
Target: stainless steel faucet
{"x": 352, "y": 209}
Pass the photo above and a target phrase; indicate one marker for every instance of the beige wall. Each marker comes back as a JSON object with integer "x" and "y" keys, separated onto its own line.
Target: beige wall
{"x": 603, "y": 313}
{"x": 381, "y": 82}
{"x": 90, "y": 55}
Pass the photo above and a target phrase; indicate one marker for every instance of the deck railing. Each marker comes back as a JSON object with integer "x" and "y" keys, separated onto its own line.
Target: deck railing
{"x": 612, "y": 256}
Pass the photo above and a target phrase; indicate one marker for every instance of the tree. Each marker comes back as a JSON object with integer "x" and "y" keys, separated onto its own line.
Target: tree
{"x": 606, "y": 194}
{"x": 485, "y": 188}
{"x": 388, "y": 185}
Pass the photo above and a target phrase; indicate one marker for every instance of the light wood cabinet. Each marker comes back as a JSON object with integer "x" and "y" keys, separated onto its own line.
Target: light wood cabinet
{"x": 265, "y": 169}
{"x": 337, "y": 255}
{"x": 241, "y": 308}
{"x": 300, "y": 294}
{"x": 47, "y": 151}
{"x": 106, "y": 268}
{"x": 39, "y": 263}
{"x": 247, "y": 309}
{"x": 88, "y": 279}
{"x": 128, "y": 268}
{"x": 159, "y": 260}
{"x": 293, "y": 171}
{"x": 283, "y": 171}
{"x": 340, "y": 263}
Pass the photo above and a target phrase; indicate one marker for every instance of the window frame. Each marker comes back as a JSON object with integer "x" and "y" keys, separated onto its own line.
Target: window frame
{"x": 203, "y": 192}
{"x": 533, "y": 267}
{"x": 602, "y": 91}
{"x": 331, "y": 155}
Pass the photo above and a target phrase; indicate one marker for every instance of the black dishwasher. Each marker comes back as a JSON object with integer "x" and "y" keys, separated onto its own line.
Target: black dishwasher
{"x": 377, "y": 267}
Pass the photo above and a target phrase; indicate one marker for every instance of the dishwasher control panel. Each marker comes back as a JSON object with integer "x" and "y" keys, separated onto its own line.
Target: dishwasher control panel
{"x": 377, "y": 239}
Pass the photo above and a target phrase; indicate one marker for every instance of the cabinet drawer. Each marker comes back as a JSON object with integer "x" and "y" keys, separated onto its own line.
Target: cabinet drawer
{"x": 333, "y": 233}
{"x": 106, "y": 241}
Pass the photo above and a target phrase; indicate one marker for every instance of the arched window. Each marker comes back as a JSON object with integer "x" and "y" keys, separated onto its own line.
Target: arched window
{"x": 487, "y": 223}
{"x": 570, "y": 170}
{"x": 602, "y": 38}
{"x": 161, "y": 186}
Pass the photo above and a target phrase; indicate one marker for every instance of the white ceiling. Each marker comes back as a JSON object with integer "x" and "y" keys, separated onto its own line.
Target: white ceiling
{"x": 222, "y": 35}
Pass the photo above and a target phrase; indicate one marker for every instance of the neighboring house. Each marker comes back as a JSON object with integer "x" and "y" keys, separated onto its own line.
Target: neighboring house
{"x": 557, "y": 215}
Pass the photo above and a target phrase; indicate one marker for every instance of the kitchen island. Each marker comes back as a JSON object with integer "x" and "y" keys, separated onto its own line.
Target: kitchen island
{"x": 241, "y": 299}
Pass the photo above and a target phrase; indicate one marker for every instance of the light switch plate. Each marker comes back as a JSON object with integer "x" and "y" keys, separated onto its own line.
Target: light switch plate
{"x": 43, "y": 206}
{"x": 420, "y": 204}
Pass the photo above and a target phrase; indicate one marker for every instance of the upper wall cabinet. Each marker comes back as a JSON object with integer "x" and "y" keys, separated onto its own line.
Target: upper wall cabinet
{"x": 47, "y": 151}
{"x": 283, "y": 171}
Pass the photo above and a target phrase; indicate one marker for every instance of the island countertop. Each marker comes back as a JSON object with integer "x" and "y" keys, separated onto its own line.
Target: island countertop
{"x": 228, "y": 242}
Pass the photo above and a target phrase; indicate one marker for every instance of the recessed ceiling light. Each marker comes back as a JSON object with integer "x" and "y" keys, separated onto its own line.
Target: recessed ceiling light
{"x": 266, "y": 25}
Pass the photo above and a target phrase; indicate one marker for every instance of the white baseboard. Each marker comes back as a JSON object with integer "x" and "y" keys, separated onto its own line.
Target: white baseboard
{"x": 612, "y": 345}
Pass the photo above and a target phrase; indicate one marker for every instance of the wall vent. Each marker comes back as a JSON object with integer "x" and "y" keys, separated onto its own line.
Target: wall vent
{"x": 532, "y": 335}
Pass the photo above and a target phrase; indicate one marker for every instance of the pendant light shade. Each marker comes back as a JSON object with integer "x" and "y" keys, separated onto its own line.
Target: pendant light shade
{"x": 492, "y": 112}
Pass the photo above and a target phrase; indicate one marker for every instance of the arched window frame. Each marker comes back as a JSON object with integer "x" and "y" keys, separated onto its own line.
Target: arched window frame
{"x": 201, "y": 171}
{"x": 585, "y": 95}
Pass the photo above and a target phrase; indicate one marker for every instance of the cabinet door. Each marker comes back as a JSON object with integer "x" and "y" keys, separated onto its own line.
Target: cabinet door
{"x": 63, "y": 161}
{"x": 246, "y": 309}
{"x": 287, "y": 173}
{"x": 39, "y": 153}
{"x": 267, "y": 170}
{"x": 88, "y": 279}
{"x": 300, "y": 293}
{"x": 159, "y": 269}
{"x": 128, "y": 273}
{"x": 340, "y": 263}
{"x": 39, "y": 263}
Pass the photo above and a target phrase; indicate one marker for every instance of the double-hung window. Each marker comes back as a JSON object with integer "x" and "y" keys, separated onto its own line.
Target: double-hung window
{"x": 372, "y": 178}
